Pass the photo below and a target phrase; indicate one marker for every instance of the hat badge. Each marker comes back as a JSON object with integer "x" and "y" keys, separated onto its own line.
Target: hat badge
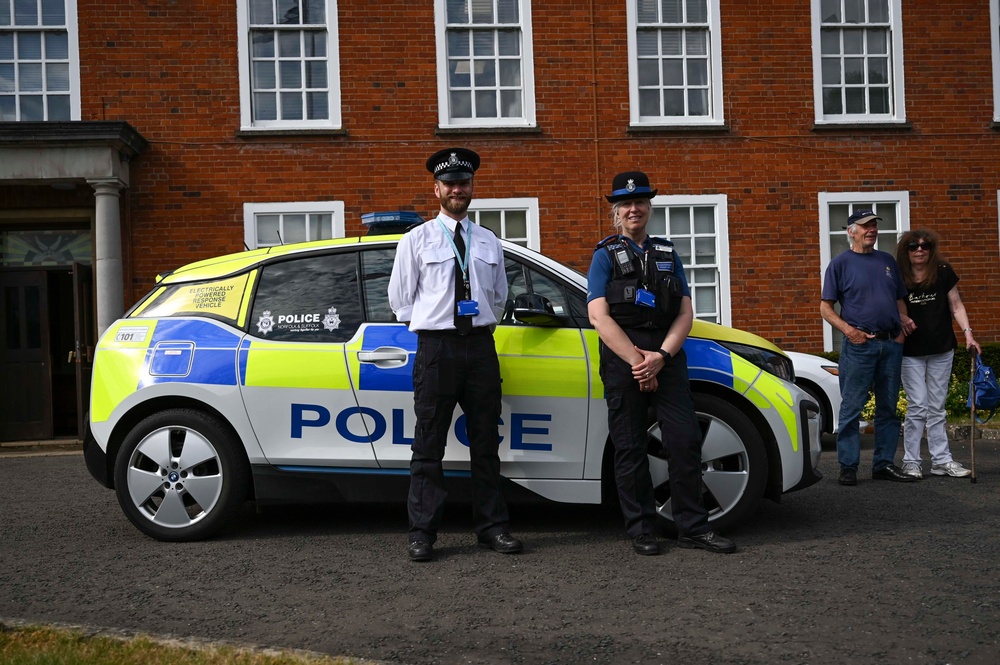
{"x": 453, "y": 158}
{"x": 630, "y": 185}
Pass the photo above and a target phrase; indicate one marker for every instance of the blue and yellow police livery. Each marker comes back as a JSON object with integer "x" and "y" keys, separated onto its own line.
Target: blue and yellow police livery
{"x": 280, "y": 375}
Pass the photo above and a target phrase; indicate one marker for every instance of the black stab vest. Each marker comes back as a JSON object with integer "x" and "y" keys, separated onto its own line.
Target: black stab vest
{"x": 654, "y": 271}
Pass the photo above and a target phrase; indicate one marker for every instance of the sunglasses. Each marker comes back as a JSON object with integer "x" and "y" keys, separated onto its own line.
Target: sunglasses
{"x": 914, "y": 246}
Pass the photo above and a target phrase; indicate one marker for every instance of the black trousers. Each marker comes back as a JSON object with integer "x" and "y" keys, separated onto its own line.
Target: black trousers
{"x": 628, "y": 423}
{"x": 451, "y": 369}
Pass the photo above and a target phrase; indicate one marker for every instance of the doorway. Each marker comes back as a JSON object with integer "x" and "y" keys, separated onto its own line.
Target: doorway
{"x": 46, "y": 343}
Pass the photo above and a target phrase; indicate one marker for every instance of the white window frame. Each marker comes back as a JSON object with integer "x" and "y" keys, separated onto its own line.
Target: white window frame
{"x": 995, "y": 50}
{"x": 527, "y": 118}
{"x": 251, "y": 210}
{"x": 73, "y": 64}
{"x": 719, "y": 203}
{"x": 528, "y": 205}
{"x": 247, "y": 123}
{"x": 900, "y": 200}
{"x": 715, "y": 115}
{"x": 897, "y": 100}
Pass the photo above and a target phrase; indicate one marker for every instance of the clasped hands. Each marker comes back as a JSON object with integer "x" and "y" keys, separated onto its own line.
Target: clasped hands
{"x": 645, "y": 371}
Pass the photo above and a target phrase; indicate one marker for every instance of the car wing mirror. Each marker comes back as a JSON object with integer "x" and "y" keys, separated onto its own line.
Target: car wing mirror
{"x": 534, "y": 310}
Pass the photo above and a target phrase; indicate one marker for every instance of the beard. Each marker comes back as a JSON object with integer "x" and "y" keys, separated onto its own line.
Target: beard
{"x": 456, "y": 206}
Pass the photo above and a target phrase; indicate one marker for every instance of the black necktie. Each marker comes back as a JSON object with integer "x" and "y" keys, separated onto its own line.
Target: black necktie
{"x": 463, "y": 324}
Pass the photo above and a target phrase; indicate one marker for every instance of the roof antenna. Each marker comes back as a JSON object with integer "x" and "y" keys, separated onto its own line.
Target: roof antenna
{"x": 277, "y": 232}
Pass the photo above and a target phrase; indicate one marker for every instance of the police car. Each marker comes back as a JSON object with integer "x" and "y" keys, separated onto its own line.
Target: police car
{"x": 280, "y": 375}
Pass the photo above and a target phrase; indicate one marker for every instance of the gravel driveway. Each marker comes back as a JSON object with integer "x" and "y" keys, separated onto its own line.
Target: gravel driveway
{"x": 878, "y": 573}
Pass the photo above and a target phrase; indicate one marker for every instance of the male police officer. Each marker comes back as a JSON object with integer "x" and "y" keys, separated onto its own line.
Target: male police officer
{"x": 449, "y": 282}
{"x": 639, "y": 301}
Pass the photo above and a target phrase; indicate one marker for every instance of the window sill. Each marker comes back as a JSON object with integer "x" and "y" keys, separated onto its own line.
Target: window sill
{"x": 678, "y": 129}
{"x": 467, "y": 131}
{"x": 855, "y": 126}
{"x": 308, "y": 131}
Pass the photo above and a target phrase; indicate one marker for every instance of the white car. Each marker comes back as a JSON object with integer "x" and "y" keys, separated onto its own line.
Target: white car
{"x": 281, "y": 375}
{"x": 820, "y": 377}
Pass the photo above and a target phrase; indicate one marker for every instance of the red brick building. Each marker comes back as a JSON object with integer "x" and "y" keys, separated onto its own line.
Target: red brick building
{"x": 135, "y": 137}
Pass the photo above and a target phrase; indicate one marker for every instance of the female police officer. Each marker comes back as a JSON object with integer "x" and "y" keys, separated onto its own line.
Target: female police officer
{"x": 639, "y": 301}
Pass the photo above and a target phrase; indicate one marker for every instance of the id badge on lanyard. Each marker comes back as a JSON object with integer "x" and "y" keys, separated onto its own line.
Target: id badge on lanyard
{"x": 466, "y": 306}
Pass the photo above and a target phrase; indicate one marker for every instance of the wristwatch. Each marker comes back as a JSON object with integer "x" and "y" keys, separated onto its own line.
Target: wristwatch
{"x": 666, "y": 356}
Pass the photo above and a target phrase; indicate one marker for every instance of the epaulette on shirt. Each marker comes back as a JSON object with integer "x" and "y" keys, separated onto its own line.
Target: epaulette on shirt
{"x": 613, "y": 236}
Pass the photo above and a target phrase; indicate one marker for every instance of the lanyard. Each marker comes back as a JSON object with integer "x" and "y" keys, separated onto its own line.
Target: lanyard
{"x": 463, "y": 265}
{"x": 642, "y": 257}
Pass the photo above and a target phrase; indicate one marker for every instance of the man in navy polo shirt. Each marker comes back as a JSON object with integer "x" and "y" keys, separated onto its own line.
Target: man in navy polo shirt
{"x": 872, "y": 296}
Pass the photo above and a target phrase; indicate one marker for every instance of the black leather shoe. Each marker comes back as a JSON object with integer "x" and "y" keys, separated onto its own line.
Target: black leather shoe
{"x": 709, "y": 541}
{"x": 894, "y": 473}
{"x": 645, "y": 544}
{"x": 420, "y": 550}
{"x": 848, "y": 476}
{"x": 502, "y": 542}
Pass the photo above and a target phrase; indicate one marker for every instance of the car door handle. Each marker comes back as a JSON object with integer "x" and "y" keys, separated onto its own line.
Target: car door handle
{"x": 385, "y": 357}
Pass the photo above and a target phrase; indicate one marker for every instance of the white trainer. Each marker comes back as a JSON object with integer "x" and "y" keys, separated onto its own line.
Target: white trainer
{"x": 913, "y": 469}
{"x": 953, "y": 469}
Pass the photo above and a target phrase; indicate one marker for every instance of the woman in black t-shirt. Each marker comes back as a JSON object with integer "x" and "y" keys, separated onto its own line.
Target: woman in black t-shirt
{"x": 928, "y": 351}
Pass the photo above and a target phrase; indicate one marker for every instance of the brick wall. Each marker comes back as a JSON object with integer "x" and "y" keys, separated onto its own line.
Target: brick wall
{"x": 171, "y": 70}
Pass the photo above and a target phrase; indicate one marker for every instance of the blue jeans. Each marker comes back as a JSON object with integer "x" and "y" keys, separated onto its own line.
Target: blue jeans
{"x": 876, "y": 364}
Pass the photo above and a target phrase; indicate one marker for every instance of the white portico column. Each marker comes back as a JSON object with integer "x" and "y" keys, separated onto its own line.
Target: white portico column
{"x": 108, "y": 253}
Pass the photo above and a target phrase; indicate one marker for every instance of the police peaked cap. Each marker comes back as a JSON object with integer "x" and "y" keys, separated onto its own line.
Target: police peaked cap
{"x": 630, "y": 185}
{"x": 453, "y": 164}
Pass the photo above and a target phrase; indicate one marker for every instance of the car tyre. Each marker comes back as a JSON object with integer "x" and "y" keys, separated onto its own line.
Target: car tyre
{"x": 181, "y": 475}
{"x": 734, "y": 466}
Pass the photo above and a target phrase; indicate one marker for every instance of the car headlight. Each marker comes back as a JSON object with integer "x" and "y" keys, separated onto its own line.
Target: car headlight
{"x": 769, "y": 361}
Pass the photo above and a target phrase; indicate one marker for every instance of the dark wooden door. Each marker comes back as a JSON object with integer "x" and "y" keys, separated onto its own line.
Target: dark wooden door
{"x": 86, "y": 338}
{"x": 25, "y": 366}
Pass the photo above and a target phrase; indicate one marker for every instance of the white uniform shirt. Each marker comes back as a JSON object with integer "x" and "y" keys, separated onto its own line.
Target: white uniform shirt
{"x": 422, "y": 285}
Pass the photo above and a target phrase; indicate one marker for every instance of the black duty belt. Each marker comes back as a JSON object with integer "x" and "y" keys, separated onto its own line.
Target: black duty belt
{"x": 478, "y": 330}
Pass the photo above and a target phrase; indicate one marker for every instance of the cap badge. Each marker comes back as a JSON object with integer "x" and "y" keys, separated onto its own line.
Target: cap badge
{"x": 630, "y": 185}
{"x": 453, "y": 158}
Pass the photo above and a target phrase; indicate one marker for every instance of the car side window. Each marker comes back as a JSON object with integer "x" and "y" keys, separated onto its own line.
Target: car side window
{"x": 567, "y": 304}
{"x": 313, "y": 299}
{"x": 376, "y": 267}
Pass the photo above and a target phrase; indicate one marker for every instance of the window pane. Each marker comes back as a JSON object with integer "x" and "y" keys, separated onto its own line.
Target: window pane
{"x": 263, "y": 44}
{"x": 647, "y": 43}
{"x": 649, "y": 73}
{"x": 263, "y": 75}
{"x": 486, "y": 104}
{"x": 7, "y": 107}
{"x": 830, "y": 11}
{"x": 697, "y": 102}
{"x": 461, "y": 104}
{"x": 673, "y": 72}
{"x": 29, "y": 77}
{"x": 649, "y": 102}
{"x": 318, "y": 106}
{"x": 53, "y": 12}
{"x": 832, "y": 102}
{"x": 458, "y": 43}
{"x": 697, "y": 72}
{"x": 6, "y": 46}
{"x": 7, "y": 77}
{"x": 830, "y": 42}
{"x": 831, "y": 71}
{"x": 879, "y": 100}
{"x": 57, "y": 77}
{"x": 646, "y": 11}
{"x": 376, "y": 267}
{"x": 57, "y": 45}
{"x": 289, "y": 44}
{"x": 268, "y": 228}
{"x": 704, "y": 220}
{"x": 288, "y": 12}
{"x": 854, "y": 11}
{"x": 261, "y": 12}
{"x": 25, "y": 12}
{"x": 457, "y": 11}
{"x": 315, "y": 44}
{"x": 878, "y": 41}
{"x": 855, "y": 98}
{"x": 673, "y": 102}
{"x": 672, "y": 11}
{"x": 510, "y": 103}
{"x": 314, "y": 11}
{"x": 491, "y": 219}
{"x": 265, "y": 106}
{"x": 458, "y": 74}
{"x": 509, "y": 42}
{"x": 291, "y": 106}
{"x": 704, "y": 251}
{"x": 29, "y": 46}
{"x": 878, "y": 11}
{"x": 485, "y": 73}
{"x": 517, "y": 224}
{"x": 510, "y": 73}
{"x": 697, "y": 42}
{"x": 671, "y": 40}
{"x": 58, "y": 107}
{"x": 291, "y": 75}
{"x": 482, "y": 11}
{"x": 878, "y": 70}
{"x": 680, "y": 221}
{"x": 294, "y": 228}
{"x": 854, "y": 70}
{"x": 507, "y": 11}
{"x": 316, "y": 74}
{"x": 483, "y": 42}
{"x": 697, "y": 11}
{"x": 854, "y": 42}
